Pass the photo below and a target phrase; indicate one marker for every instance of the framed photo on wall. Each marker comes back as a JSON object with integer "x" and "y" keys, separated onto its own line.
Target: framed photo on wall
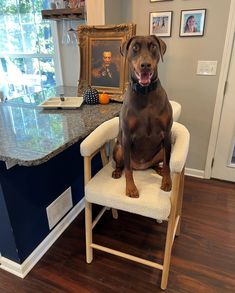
{"x": 192, "y": 22}
{"x": 160, "y": 23}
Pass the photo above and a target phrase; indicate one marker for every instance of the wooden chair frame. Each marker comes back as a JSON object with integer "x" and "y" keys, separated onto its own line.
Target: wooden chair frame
{"x": 96, "y": 142}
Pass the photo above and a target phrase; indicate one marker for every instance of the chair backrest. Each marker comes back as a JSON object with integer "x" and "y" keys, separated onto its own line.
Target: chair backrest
{"x": 180, "y": 144}
{"x": 176, "y": 107}
{"x": 109, "y": 130}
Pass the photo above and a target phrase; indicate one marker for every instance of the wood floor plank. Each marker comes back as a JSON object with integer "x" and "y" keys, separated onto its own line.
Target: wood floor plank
{"x": 203, "y": 258}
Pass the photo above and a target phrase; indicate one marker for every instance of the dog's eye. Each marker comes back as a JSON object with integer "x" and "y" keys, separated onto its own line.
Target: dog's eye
{"x": 153, "y": 46}
{"x": 135, "y": 48}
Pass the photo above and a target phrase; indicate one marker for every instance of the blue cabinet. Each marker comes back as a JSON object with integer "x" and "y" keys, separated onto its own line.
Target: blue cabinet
{"x": 25, "y": 192}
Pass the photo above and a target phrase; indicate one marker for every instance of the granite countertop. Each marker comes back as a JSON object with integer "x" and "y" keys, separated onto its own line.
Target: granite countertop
{"x": 31, "y": 136}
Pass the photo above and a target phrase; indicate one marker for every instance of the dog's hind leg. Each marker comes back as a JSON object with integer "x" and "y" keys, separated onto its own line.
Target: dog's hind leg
{"x": 158, "y": 162}
{"x": 158, "y": 169}
{"x": 119, "y": 160}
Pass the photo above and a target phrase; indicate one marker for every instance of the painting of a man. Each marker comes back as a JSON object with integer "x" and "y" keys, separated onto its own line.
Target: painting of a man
{"x": 105, "y": 66}
{"x": 106, "y": 74}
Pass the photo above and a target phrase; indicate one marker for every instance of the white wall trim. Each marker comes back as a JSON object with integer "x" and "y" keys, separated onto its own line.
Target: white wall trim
{"x": 11, "y": 267}
{"x": 21, "y": 270}
{"x": 228, "y": 46}
{"x": 95, "y": 12}
{"x": 195, "y": 173}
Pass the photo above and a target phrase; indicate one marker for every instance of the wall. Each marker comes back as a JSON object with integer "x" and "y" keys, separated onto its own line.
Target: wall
{"x": 178, "y": 72}
{"x": 113, "y": 12}
{"x": 98, "y": 13}
{"x": 95, "y": 12}
{"x": 69, "y": 55}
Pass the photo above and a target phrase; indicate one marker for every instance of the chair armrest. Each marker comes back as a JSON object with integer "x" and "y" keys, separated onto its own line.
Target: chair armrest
{"x": 109, "y": 130}
{"x": 180, "y": 144}
{"x": 98, "y": 137}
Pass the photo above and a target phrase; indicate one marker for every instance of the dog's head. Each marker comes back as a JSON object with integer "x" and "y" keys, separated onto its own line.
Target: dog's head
{"x": 143, "y": 55}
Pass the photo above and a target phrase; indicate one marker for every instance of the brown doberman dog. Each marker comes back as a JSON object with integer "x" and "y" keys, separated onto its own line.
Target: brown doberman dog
{"x": 144, "y": 138}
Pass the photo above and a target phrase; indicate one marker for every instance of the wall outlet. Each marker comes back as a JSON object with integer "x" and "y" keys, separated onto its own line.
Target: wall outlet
{"x": 206, "y": 67}
{"x": 59, "y": 207}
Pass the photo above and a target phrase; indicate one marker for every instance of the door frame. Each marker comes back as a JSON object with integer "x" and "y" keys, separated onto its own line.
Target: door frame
{"x": 227, "y": 53}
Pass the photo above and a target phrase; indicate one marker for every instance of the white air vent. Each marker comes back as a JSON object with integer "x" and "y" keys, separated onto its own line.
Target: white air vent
{"x": 59, "y": 207}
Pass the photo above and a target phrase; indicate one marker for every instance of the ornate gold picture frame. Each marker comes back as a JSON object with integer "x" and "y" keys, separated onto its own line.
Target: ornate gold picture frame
{"x": 102, "y": 65}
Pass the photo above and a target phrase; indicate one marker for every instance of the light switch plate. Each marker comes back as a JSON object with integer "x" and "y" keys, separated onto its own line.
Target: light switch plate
{"x": 206, "y": 67}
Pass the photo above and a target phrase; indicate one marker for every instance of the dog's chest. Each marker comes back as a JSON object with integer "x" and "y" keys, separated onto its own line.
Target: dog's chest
{"x": 148, "y": 122}
{"x": 146, "y": 138}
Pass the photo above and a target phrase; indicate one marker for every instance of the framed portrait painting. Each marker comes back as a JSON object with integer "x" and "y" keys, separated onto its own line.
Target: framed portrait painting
{"x": 160, "y": 23}
{"x": 192, "y": 22}
{"x": 102, "y": 65}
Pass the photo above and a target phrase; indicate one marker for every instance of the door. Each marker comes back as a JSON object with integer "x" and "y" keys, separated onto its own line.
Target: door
{"x": 224, "y": 158}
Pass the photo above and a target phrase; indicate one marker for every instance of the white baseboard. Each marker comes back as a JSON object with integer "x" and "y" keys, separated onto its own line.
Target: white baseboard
{"x": 11, "y": 267}
{"x": 195, "y": 173}
{"x": 21, "y": 270}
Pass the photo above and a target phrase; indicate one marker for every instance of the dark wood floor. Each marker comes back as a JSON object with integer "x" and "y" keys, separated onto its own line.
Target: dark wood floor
{"x": 203, "y": 257}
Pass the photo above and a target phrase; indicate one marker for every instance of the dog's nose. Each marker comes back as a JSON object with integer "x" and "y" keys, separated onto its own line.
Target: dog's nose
{"x": 145, "y": 65}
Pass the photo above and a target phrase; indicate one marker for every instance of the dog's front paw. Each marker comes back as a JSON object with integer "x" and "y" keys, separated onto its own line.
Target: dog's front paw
{"x": 166, "y": 184}
{"x": 132, "y": 191}
{"x": 117, "y": 173}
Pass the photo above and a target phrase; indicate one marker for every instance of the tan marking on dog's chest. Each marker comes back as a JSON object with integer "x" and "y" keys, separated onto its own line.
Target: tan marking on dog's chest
{"x": 132, "y": 122}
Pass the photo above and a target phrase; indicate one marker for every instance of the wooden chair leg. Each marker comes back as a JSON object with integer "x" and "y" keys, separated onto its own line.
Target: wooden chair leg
{"x": 104, "y": 157}
{"x": 170, "y": 230}
{"x": 180, "y": 201}
{"x": 115, "y": 214}
{"x": 167, "y": 254}
{"x": 88, "y": 227}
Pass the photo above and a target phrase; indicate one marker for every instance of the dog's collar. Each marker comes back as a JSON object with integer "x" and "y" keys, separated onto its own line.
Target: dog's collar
{"x": 144, "y": 89}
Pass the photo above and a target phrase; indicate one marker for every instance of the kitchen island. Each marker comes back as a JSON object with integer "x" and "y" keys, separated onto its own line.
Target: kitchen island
{"x": 30, "y": 135}
{"x": 39, "y": 161}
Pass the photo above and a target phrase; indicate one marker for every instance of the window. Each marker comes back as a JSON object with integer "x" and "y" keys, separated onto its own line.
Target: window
{"x": 26, "y": 48}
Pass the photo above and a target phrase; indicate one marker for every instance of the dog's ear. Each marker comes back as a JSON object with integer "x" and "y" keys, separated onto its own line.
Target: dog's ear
{"x": 162, "y": 46}
{"x": 125, "y": 46}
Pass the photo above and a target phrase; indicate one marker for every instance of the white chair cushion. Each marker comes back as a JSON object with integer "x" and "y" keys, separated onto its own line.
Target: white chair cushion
{"x": 153, "y": 202}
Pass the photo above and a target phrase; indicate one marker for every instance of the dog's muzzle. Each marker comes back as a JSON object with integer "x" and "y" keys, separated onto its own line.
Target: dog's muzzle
{"x": 144, "y": 78}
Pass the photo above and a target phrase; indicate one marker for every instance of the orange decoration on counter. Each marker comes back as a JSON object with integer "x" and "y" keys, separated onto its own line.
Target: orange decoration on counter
{"x": 104, "y": 98}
